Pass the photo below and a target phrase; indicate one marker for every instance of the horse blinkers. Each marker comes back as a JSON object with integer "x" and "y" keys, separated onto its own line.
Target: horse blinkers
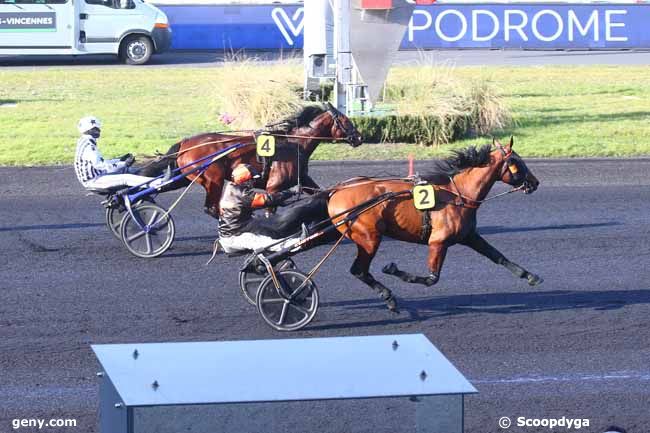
{"x": 517, "y": 171}
{"x": 352, "y": 136}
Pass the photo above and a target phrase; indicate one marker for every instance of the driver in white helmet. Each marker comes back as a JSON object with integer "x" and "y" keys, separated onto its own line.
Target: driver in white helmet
{"x": 93, "y": 171}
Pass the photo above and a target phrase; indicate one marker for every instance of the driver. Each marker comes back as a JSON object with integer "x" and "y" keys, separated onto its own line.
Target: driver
{"x": 93, "y": 171}
{"x": 238, "y": 201}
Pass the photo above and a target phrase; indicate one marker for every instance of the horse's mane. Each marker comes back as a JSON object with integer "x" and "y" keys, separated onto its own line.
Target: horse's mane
{"x": 460, "y": 159}
{"x": 300, "y": 118}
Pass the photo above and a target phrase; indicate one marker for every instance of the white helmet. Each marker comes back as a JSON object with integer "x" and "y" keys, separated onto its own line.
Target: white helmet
{"x": 87, "y": 123}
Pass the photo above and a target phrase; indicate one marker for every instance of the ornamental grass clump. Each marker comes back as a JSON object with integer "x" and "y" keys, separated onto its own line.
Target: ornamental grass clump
{"x": 434, "y": 106}
{"x": 252, "y": 95}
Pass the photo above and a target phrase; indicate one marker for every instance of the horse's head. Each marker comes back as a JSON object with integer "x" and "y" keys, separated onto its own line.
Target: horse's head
{"x": 514, "y": 171}
{"x": 343, "y": 128}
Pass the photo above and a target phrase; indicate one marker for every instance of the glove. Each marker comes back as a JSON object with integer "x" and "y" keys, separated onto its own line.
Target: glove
{"x": 125, "y": 157}
{"x": 295, "y": 190}
{"x": 278, "y": 198}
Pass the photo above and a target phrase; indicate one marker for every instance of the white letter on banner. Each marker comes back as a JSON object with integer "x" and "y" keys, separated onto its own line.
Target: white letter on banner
{"x": 463, "y": 25}
{"x": 495, "y": 25}
{"x": 507, "y": 26}
{"x": 413, "y": 27}
{"x": 560, "y": 25}
{"x": 574, "y": 22}
{"x": 609, "y": 24}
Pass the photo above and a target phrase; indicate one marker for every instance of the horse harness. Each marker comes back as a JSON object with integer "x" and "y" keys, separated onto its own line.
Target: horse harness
{"x": 459, "y": 200}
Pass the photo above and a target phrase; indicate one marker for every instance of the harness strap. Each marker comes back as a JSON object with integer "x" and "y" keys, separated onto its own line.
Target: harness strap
{"x": 426, "y": 226}
{"x": 267, "y": 162}
{"x": 460, "y": 200}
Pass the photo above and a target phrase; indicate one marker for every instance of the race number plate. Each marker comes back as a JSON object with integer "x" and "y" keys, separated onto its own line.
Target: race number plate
{"x": 424, "y": 197}
{"x": 266, "y": 145}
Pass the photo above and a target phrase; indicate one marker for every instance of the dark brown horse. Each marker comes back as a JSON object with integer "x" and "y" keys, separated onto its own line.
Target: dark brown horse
{"x": 463, "y": 182}
{"x": 297, "y": 138}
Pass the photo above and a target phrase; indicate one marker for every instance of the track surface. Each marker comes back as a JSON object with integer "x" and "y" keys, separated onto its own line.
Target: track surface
{"x": 576, "y": 346}
{"x": 454, "y": 57}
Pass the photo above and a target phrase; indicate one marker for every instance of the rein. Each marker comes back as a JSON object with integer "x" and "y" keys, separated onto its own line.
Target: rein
{"x": 475, "y": 203}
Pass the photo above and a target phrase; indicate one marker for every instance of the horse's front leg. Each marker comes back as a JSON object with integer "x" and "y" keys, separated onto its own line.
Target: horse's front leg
{"x": 481, "y": 246}
{"x": 437, "y": 253}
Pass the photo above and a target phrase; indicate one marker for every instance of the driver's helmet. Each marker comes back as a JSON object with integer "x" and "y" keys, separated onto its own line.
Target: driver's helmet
{"x": 87, "y": 123}
{"x": 243, "y": 173}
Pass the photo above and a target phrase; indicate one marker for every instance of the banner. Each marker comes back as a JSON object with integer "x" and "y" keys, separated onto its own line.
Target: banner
{"x": 523, "y": 26}
{"x": 28, "y": 22}
{"x": 529, "y": 26}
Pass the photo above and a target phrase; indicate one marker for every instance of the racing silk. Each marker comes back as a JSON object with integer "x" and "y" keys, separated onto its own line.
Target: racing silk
{"x": 89, "y": 163}
{"x": 238, "y": 203}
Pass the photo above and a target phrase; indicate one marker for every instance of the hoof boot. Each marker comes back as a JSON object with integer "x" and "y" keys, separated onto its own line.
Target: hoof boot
{"x": 534, "y": 280}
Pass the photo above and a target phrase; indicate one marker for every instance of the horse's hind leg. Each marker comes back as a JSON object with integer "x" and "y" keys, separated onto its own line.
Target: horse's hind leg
{"x": 437, "y": 253}
{"x": 481, "y": 246}
{"x": 212, "y": 180}
{"x": 360, "y": 269}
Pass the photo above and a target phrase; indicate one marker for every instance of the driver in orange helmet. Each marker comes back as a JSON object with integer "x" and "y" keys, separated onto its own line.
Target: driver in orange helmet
{"x": 238, "y": 202}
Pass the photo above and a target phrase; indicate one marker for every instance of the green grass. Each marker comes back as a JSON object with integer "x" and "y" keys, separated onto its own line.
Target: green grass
{"x": 558, "y": 111}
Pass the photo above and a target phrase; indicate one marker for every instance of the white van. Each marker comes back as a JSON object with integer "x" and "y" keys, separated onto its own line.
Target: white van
{"x": 131, "y": 29}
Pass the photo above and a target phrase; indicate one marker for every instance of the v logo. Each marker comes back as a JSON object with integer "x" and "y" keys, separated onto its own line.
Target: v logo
{"x": 289, "y": 27}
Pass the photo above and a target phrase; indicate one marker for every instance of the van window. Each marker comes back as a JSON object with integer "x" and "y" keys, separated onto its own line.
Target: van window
{"x": 34, "y": 2}
{"x": 115, "y": 4}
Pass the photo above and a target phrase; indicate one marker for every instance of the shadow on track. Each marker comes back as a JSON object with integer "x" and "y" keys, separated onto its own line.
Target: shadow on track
{"x": 490, "y": 230}
{"x": 50, "y": 227}
{"x": 423, "y": 309}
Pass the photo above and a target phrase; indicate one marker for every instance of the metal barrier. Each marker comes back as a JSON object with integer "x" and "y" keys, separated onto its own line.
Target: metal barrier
{"x": 201, "y": 387}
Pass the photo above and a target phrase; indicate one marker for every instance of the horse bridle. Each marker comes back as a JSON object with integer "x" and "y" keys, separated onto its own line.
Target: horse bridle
{"x": 508, "y": 165}
{"x": 350, "y": 133}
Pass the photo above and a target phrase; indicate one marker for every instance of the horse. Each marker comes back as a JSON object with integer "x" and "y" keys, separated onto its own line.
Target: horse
{"x": 299, "y": 136}
{"x": 461, "y": 182}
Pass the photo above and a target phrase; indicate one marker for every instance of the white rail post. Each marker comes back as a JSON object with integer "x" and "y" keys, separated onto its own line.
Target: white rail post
{"x": 342, "y": 53}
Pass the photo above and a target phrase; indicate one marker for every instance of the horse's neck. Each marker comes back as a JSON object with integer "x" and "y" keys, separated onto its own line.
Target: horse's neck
{"x": 307, "y": 144}
{"x": 475, "y": 183}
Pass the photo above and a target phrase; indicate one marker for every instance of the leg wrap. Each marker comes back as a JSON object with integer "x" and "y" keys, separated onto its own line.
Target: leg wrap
{"x": 431, "y": 279}
{"x": 392, "y": 269}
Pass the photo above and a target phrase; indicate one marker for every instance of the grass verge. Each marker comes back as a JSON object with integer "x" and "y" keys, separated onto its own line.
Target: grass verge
{"x": 557, "y": 111}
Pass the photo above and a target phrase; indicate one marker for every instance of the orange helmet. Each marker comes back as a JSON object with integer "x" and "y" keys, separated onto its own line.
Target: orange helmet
{"x": 243, "y": 173}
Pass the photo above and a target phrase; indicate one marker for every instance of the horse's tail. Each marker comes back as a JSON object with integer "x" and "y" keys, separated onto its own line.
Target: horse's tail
{"x": 159, "y": 165}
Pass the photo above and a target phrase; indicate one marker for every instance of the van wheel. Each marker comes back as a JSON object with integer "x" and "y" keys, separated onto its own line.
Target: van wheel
{"x": 136, "y": 50}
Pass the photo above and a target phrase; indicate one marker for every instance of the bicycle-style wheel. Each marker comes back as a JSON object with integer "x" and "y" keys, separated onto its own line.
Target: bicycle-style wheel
{"x": 114, "y": 218}
{"x": 157, "y": 235}
{"x": 292, "y": 306}
{"x": 251, "y": 278}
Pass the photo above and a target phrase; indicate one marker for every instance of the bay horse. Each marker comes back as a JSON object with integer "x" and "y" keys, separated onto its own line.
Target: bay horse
{"x": 298, "y": 137}
{"x": 462, "y": 182}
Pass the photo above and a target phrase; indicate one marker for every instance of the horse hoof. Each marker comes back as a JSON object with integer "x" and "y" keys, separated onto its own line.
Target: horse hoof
{"x": 390, "y": 269}
{"x": 391, "y": 303}
{"x": 534, "y": 280}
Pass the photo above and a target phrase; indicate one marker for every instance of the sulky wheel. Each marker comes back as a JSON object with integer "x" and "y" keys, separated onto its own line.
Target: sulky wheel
{"x": 115, "y": 214}
{"x": 287, "y": 309}
{"x": 114, "y": 217}
{"x": 250, "y": 278}
{"x": 158, "y": 234}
